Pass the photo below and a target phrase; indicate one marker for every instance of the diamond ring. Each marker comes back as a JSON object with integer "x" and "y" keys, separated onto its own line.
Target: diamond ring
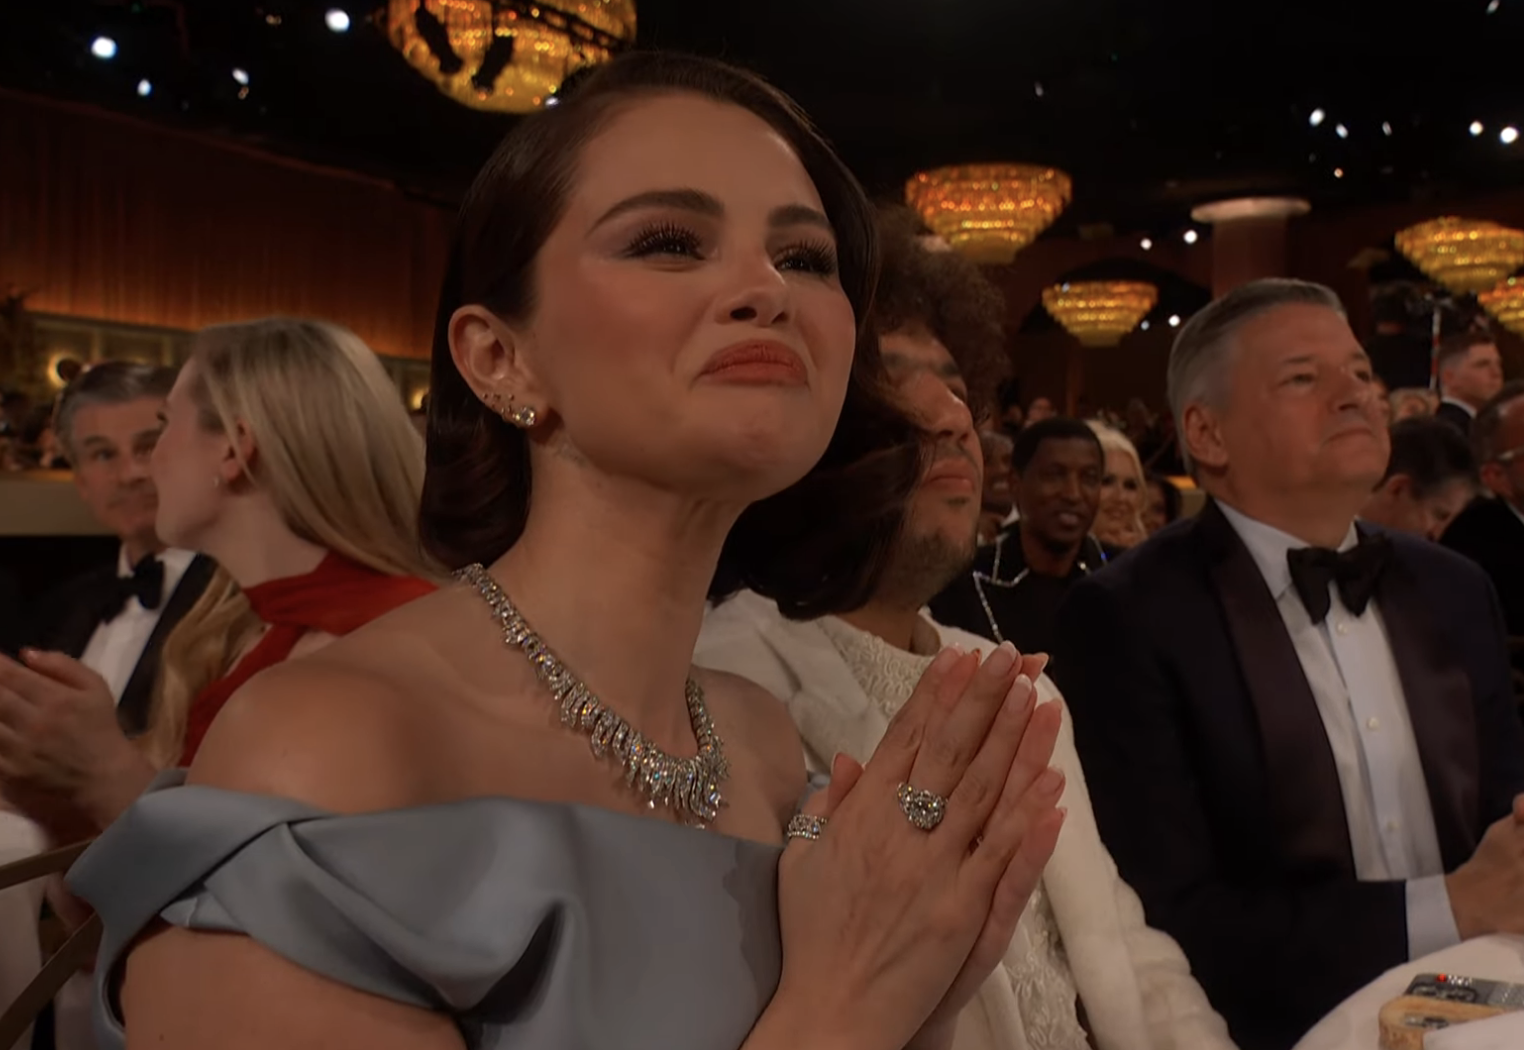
{"x": 803, "y": 826}
{"x": 924, "y": 809}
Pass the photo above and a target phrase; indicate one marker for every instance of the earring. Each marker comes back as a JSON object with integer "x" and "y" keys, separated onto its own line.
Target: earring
{"x": 524, "y": 417}
{"x": 493, "y": 400}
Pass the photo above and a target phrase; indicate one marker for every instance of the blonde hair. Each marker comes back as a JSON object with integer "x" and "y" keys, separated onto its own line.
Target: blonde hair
{"x": 1113, "y": 440}
{"x": 336, "y": 454}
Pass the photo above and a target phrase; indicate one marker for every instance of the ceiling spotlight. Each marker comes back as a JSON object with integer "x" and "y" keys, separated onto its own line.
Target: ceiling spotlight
{"x": 1143, "y": 326}
{"x": 241, "y": 76}
{"x": 1316, "y": 117}
{"x": 552, "y": 101}
{"x": 1338, "y": 173}
{"x": 1386, "y": 128}
{"x": 1037, "y": 89}
{"x": 144, "y": 89}
{"x": 337, "y": 19}
{"x": 1493, "y": 5}
{"x": 103, "y": 47}
{"x": 1476, "y": 128}
{"x": 1191, "y": 236}
{"x": 1174, "y": 320}
{"x": 1147, "y": 244}
{"x": 1509, "y": 135}
{"x": 1341, "y": 131}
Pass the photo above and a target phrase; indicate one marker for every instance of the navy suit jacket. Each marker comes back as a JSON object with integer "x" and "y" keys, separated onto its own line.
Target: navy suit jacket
{"x": 1213, "y": 781}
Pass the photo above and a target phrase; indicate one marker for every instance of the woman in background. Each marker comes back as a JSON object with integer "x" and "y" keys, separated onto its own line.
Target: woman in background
{"x": 287, "y": 456}
{"x": 1119, "y": 522}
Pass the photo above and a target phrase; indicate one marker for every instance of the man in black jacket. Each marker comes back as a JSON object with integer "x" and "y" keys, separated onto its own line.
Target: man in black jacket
{"x": 115, "y": 618}
{"x": 1299, "y": 733}
{"x": 1491, "y": 531}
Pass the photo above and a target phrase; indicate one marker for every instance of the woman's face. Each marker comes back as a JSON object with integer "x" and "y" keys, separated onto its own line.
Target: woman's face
{"x": 189, "y": 465}
{"x": 1121, "y": 489}
{"x": 689, "y": 330}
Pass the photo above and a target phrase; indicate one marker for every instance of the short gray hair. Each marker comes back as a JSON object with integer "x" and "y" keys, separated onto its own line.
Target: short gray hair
{"x": 108, "y": 383}
{"x": 1203, "y": 351}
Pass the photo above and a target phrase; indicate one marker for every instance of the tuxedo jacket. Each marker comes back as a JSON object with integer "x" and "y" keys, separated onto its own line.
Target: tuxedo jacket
{"x": 66, "y": 620}
{"x": 1454, "y": 415}
{"x": 1134, "y": 984}
{"x": 1213, "y": 781}
{"x": 1491, "y": 534}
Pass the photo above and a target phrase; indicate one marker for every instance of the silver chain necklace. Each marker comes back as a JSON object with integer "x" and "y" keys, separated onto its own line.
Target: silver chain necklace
{"x": 688, "y": 786}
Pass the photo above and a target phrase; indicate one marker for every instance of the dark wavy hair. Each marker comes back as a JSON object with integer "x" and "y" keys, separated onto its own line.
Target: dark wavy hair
{"x": 817, "y": 547}
{"x": 946, "y": 294}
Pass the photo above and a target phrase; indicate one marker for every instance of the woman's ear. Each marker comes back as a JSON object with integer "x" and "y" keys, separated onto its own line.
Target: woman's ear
{"x": 494, "y": 360}
{"x": 238, "y": 456}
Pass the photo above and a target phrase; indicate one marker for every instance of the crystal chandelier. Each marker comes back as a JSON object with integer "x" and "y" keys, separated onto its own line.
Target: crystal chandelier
{"x": 1464, "y": 255}
{"x": 507, "y": 56}
{"x": 989, "y": 212}
{"x": 1100, "y": 313}
{"x": 1506, "y": 303}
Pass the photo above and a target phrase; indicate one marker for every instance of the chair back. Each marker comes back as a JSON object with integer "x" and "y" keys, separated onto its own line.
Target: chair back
{"x": 76, "y": 952}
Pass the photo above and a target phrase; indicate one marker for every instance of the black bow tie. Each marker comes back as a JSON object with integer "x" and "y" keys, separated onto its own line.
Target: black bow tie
{"x": 1354, "y": 572}
{"x": 146, "y": 584}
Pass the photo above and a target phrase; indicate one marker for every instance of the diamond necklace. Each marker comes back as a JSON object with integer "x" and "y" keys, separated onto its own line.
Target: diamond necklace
{"x": 688, "y": 786}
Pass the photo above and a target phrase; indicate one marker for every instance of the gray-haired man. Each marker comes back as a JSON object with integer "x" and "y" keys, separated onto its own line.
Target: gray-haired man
{"x": 1299, "y": 732}
{"x": 114, "y": 619}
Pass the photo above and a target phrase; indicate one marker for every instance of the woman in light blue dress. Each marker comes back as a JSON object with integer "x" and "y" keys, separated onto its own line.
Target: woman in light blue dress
{"x": 511, "y": 814}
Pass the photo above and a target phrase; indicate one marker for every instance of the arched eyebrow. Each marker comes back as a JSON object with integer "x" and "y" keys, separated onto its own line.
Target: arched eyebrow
{"x": 709, "y": 206}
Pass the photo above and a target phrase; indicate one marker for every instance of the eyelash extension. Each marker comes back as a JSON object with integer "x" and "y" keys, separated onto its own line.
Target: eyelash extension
{"x": 663, "y": 239}
{"x": 818, "y": 258}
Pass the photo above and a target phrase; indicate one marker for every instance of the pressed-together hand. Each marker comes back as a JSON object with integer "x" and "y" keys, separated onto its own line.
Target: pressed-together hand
{"x": 887, "y": 929}
{"x": 61, "y": 748}
{"x": 1487, "y": 892}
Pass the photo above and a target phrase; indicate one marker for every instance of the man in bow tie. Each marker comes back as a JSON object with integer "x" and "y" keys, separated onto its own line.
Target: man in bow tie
{"x": 1300, "y": 732}
{"x": 114, "y": 620}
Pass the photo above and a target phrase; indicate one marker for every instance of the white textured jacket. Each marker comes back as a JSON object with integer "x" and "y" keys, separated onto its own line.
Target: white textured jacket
{"x": 1133, "y": 981}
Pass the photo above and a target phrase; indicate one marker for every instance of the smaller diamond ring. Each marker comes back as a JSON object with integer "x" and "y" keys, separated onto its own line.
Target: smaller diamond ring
{"x": 924, "y": 809}
{"x": 802, "y": 826}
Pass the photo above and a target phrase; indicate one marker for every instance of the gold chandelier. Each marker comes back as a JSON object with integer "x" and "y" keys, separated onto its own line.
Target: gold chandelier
{"x": 507, "y": 56}
{"x": 989, "y": 212}
{"x": 1506, "y": 303}
{"x": 1100, "y": 313}
{"x": 1464, "y": 255}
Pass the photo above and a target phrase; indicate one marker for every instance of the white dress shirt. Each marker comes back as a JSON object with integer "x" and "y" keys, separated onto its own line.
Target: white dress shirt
{"x": 115, "y": 647}
{"x": 1348, "y": 662}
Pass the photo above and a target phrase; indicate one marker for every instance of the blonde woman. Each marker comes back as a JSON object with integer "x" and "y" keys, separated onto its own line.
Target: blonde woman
{"x": 288, "y": 457}
{"x": 1119, "y": 522}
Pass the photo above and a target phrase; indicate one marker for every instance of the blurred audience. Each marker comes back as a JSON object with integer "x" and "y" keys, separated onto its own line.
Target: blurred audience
{"x": 1162, "y": 503}
{"x": 1040, "y": 409}
{"x": 1293, "y": 783}
{"x": 1410, "y": 402}
{"x": 1119, "y": 522}
{"x": 1383, "y": 399}
{"x": 1430, "y": 478}
{"x": 1017, "y": 583}
{"x": 1491, "y": 530}
{"x": 999, "y": 503}
{"x": 1470, "y": 375}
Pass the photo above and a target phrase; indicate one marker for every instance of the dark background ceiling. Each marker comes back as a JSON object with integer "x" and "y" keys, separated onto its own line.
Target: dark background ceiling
{"x": 1151, "y": 105}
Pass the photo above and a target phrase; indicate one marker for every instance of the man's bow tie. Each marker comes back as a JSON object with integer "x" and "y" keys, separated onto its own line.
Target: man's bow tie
{"x": 1354, "y": 572}
{"x": 146, "y": 584}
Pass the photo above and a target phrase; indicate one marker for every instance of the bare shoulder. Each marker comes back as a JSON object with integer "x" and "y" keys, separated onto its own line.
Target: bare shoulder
{"x": 747, "y": 712}
{"x": 340, "y": 728}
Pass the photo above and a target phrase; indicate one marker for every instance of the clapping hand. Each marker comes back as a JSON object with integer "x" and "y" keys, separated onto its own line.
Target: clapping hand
{"x": 64, "y": 760}
{"x": 889, "y": 928}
